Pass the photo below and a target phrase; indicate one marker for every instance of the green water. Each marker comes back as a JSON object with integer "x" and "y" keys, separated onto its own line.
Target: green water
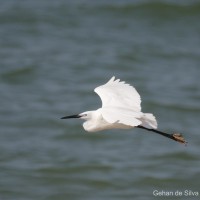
{"x": 53, "y": 54}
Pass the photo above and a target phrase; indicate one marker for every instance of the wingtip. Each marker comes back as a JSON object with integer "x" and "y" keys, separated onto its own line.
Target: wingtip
{"x": 112, "y": 79}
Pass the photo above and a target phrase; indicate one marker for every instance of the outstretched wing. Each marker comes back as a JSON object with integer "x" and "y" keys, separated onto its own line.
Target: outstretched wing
{"x": 116, "y": 93}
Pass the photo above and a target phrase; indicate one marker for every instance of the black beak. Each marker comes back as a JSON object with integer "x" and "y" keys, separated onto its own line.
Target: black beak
{"x": 71, "y": 116}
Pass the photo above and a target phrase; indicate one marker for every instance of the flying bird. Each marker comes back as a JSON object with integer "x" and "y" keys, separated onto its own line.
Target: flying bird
{"x": 121, "y": 109}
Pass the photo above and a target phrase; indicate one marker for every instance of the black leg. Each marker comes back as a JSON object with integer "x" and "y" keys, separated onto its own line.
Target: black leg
{"x": 176, "y": 136}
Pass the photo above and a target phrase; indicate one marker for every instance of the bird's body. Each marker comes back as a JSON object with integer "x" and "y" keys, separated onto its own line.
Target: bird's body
{"x": 98, "y": 123}
{"x": 96, "y": 120}
{"x": 121, "y": 109}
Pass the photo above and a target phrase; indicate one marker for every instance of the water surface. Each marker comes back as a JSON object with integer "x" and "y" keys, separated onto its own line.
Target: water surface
{"x": 53, "y": 54}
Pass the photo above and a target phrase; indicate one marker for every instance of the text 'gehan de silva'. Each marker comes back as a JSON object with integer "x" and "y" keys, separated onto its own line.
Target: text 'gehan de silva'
{"x": 179, "y": 193}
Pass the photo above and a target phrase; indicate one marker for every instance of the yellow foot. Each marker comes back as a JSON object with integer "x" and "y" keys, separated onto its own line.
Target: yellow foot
{"x": 179, "y": 138}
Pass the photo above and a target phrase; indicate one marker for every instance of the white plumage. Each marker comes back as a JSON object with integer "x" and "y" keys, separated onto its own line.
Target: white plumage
{"x": 121, "y": 109}
{"x": 121, "y": 106}
{"x": 119, "y": 94}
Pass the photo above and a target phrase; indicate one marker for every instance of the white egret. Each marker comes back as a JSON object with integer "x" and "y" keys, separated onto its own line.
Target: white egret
{"x": 120, "y": 109}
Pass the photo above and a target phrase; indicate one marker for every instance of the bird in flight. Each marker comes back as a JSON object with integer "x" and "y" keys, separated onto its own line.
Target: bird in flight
{"x": 121, "y": 109}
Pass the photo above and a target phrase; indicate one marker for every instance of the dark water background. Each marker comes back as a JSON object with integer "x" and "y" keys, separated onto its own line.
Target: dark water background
{"x": 53, "y": 54}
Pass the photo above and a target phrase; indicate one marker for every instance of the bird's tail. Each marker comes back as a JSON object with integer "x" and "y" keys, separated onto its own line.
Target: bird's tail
{"x": 149, "y": 121}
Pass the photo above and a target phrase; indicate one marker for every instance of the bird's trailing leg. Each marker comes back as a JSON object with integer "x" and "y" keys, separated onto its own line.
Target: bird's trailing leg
{"x": 175, "y": 136}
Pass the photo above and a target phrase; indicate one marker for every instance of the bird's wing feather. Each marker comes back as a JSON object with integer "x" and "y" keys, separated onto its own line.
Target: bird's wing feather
{"x": 120, "y": 115}
{"x": 119, "y": 94}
